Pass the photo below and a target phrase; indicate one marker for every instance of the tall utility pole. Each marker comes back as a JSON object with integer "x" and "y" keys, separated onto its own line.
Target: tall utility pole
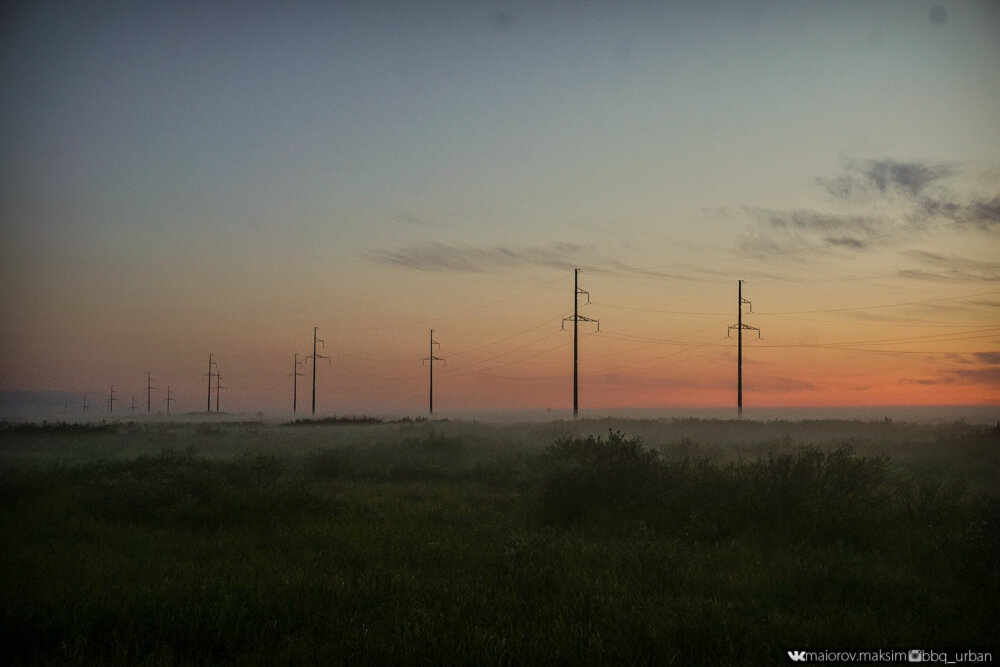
{"x": 431, "y": 358}
{"x": 739, "y": 326}
{"x": 149, "y": 389}
{"x": 210, "y": 375}
{"x": 295, "y": 381}
{"x": 577, "y": 318}
{"x": 314, "y": 356}
{"x": 170, "y": 399}
{"x": 111, "y": 399}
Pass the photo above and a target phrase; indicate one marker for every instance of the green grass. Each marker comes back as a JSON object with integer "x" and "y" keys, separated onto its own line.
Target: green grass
{"x": 469, "y": 544}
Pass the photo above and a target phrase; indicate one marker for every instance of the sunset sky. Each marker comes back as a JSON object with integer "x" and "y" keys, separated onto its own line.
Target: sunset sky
{"x": 184, "y": 178}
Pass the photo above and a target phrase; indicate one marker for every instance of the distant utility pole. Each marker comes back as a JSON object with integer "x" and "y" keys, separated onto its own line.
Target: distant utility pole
{"x": 149, "y": 390}
{"x": 84, "y": 401}
{"x": 170, "y": 398}
{"x": 739, "y": 326}
{"x": 314, "y": 356}
{"x": 295, "y": 381}
{"x": 210, "y": 375}
{"x": 576, "y": 319}
{"x": 111, "y": 399}
{"x": 432, "y": 359}
{"x": 133, "y": 407}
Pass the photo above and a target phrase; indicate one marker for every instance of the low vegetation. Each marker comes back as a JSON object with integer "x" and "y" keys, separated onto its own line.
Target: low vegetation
{"x": 433, "y": 543}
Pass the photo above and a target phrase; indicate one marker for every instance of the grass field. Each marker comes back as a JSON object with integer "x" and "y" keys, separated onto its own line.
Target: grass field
{"x": 583, "y": 542}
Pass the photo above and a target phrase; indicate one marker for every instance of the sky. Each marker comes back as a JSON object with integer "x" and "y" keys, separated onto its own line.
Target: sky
{"x": 182, "y": 179}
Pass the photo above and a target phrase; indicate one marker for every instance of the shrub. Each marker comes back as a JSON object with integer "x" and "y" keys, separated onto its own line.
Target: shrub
{"x": 808, "y": 494}
{"x": 586, "y": 477}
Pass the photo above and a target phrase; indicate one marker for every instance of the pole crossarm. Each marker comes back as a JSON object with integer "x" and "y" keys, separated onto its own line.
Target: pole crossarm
{"x": 744, "y": 327}
{"x": 580, "y": 318}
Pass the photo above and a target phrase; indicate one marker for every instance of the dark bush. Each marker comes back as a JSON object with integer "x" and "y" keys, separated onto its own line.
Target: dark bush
{"x": 587, "y": 477}
{"x": 809, "y": 494}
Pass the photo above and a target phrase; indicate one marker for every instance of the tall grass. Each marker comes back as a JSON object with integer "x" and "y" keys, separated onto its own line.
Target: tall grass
{"x": 422, "y": 549}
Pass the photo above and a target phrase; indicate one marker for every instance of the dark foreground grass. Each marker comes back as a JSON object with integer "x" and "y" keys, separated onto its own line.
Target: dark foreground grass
{"x": 593, "y": 551}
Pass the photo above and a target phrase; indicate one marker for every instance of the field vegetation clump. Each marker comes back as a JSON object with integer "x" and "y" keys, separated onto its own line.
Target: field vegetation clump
{"x": 443, "y": 543}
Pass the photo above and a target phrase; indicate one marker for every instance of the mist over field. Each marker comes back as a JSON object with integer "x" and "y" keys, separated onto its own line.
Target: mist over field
{"x": 587, "y": 541}
{"x": 67, "y": 406}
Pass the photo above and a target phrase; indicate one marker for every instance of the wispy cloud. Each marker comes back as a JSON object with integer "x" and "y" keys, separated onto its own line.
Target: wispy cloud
{"x": 885, "y": 176}
{"x": 877, "y": 200}
{"x": 989, "y": 357}
{"x": 938, "y": 267}
{"x": 986, "y": 373}
{"x": 435, "y": 256}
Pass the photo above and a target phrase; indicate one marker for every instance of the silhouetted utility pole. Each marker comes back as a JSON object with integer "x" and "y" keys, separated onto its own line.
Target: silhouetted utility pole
{"x": 149, "y": 390}
{"x": 111, "y": 399}
{"x": 295, "y": 381}
{"x": 84, "y": 401}
{"x": 210, "y": 375}
{"x": 739, "y": 326}
{"x": 314, "y": 356}
{"x": 576, "y": 346}
{"x": 431, "y": 358}
{"x": 170, "y": 399}
{"x": 133, "y": 407}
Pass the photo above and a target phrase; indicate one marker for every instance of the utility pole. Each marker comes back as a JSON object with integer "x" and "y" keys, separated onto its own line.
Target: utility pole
{"x": 149, "y": 390}
{"x": 295, "y": 381}
{"x": 739, "y": 326}
{"x": 170, "y": 398}
{"x": 210, "y": 375}
{"x": 314, "y": 356}
{"x": 111, "y": 399}
{"x": 133, "y": 407}
{"x": 84, "y": 401}
{"x": 576, "y": 319}
{"x": 431, "y": 358}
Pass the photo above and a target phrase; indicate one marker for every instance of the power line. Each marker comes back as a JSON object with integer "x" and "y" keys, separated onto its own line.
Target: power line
{"x": 885, "y": 305}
